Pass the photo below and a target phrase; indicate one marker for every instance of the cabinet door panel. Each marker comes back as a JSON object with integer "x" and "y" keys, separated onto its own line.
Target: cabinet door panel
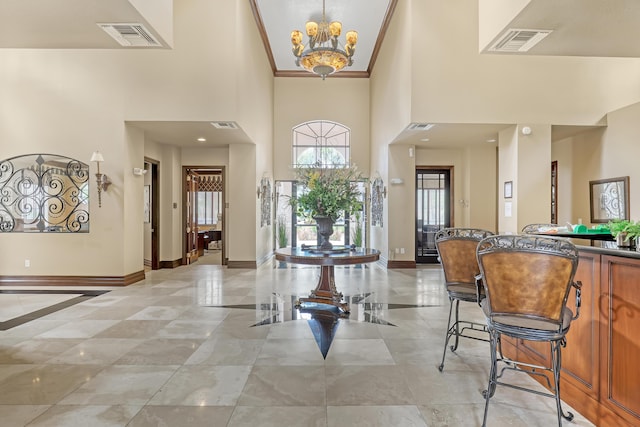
{"x": 620, "y": 336}
{"x": 580, "y": 357}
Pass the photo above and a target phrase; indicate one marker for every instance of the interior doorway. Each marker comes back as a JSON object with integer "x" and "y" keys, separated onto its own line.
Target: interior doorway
{"x": 151, "y": 215}
{"x": 204, "y": 215}
{"x": 433, "y": 209}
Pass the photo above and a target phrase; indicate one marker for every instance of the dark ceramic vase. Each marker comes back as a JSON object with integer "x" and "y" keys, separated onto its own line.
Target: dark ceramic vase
{"x": 325, "y": 230}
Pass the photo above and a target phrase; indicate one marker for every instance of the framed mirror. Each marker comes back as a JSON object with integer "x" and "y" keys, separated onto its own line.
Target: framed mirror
{"x": 609, "y": 199}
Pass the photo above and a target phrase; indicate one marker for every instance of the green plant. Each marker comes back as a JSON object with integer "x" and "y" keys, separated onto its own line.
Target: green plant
{"x": 618, "y": 226}
{"x": 357, "y": 230}
{"x": 328, "y": 191}
{"x": 633, "y": 230}
{"x": 283, "y": 238}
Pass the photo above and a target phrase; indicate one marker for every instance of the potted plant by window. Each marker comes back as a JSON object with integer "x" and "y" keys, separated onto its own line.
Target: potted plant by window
{"x": 330, "y": 193}
{"x": 283, "y": 238}
{"x": 618, "y": 228}
{"x": 357, "y": 230}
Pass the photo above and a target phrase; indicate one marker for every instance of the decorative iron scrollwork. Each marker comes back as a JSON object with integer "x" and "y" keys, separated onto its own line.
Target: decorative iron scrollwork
{"x": 265, "y": 203}
{"x": 44, "y": 193}
{"x": 555, "y": 245}
{"x": 377, "y": 194}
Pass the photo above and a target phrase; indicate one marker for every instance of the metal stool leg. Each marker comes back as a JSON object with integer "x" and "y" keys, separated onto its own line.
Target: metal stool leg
{"x": 556, "y": 354}
{"x": 456, "y": 325}
{"x": 491, "y": 388}
{"x": 447, "y": 336}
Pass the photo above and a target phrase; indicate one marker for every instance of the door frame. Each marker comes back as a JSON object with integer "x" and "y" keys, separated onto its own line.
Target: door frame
{"x": 185, "y": 171}
{"x": 155, "y": 213}
{"x": 450, "y": 170}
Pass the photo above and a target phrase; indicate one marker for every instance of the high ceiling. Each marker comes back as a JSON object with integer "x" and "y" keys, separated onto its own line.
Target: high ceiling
{"x": 604, "y": 28}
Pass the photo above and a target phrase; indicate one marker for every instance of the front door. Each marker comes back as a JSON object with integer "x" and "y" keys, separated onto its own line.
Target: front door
{"x": 433, "y": 210}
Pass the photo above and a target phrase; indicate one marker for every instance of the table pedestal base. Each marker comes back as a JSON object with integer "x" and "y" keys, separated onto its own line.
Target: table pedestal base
{"x": 325, "y": 291}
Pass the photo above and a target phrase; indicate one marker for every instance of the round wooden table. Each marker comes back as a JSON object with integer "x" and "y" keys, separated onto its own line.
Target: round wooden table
{"x": 325, "y": 291}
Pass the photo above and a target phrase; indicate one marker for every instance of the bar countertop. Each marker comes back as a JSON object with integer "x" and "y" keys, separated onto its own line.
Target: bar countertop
{"x": 609, "y": 248}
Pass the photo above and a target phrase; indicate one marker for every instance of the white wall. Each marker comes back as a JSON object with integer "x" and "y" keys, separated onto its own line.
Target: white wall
{"x": 72, "y": 102}
{"x": 599, "y": 154}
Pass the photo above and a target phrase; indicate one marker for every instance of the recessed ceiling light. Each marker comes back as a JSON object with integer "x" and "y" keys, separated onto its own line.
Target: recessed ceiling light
{"x": 202, "y": 139}
{"x": 424, "y": 139}
{"x": 491, "y": 140}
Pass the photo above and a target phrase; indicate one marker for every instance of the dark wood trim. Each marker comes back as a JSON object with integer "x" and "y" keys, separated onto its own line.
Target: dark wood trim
{"x": 554, "y": 192}
{"x": 155, "y": 213}
{"x": 223, "y": 172}
{"x": 304, "y": 73}
{"x": 72, "y": 280}
{"x": 263, "y": 35}
{"x": 452, "y": 197}
{"x": 401, "y": 264}
{"x": 171, "y": 264}
{"x": 383, "y": 32}
{"x": 242, "y": 264}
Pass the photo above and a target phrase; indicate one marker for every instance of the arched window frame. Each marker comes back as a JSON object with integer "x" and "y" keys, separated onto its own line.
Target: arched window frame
{"x": 322, "y": 144}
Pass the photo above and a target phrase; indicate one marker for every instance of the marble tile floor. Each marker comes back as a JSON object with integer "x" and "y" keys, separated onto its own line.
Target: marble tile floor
{"x": 204, "y": 345}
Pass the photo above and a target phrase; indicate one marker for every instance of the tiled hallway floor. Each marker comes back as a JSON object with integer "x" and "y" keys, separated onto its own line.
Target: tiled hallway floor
{"x": 204, "y": 345}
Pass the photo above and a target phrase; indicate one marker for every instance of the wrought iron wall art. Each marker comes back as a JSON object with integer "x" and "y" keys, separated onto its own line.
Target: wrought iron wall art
{"x": 265, "y": 202}
{"x": 44, "y": 193}
{"x": 377, "y": 194}
{"x": 609, "y": 199}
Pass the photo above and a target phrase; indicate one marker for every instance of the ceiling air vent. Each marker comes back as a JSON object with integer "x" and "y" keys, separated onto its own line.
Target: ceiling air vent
{"x": 420, "y": 126}
{"x": 225, "y": 125}
{"x": 130, "y": 35}
{"x": 517, "y": 40}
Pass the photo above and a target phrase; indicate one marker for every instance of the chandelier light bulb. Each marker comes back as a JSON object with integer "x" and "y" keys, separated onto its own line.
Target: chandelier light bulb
{"x": 325, "y": 55}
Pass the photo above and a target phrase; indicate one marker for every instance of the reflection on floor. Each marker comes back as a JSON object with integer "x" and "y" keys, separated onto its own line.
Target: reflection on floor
{"x": 204, "y": 345}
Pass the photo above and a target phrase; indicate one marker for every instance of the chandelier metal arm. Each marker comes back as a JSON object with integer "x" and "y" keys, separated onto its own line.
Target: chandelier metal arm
{"x": 324, "y": 55}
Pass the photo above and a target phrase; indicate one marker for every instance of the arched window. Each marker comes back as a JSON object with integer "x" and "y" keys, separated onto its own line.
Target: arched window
{"x": 322, "y": 144}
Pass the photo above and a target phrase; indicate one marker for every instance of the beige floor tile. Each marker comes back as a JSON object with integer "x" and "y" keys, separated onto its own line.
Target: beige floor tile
{"x": 375, "y": 416}
{"x": 277, "y": 416}
{"x": 201, "y": 385}
{"x": 284, "y": 386}
{"x": 86, "y": 415}
{"x": 191, "y": 416}
{"x": 164, "y": 352}
{"x": 121, "y": 385}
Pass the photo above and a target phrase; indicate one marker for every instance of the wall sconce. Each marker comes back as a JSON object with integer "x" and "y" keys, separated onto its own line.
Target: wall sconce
{"x": 139, "y": 172}
{"x": 101, "y": 179}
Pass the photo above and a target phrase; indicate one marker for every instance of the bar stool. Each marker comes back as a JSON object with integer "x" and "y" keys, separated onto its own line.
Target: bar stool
{"x": 527, "y": 280}
{"x": 457, "y": 254}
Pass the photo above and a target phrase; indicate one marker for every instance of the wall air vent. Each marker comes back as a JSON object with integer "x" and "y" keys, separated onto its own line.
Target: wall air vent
{"x": 420, "y": 126}
{"x": 130, "y": 35}
{"x": 518, "y": 40}
{"x": 225, "y": 125}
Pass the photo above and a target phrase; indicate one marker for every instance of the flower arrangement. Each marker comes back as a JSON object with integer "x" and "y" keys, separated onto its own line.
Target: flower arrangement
{"x": 330, "y": 191}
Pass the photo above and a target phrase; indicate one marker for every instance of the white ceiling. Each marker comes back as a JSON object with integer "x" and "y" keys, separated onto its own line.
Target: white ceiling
{"x": 580, "y": 28}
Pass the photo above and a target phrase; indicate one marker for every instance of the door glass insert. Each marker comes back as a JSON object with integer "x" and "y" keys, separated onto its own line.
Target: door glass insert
{"x": 432, "y": 211}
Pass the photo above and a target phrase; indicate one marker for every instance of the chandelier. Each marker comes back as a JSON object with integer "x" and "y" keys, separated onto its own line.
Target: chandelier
{"x": 324, "y": 55}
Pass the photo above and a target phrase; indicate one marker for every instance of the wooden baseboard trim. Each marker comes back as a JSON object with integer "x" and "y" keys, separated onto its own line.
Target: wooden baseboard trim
{"x": 242, "y": 264}
{"x": 147, "y": 263}
{"x": 401, "y": 264}
{"x": 72, "y": 280}
{"x": 171, "y": 264}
